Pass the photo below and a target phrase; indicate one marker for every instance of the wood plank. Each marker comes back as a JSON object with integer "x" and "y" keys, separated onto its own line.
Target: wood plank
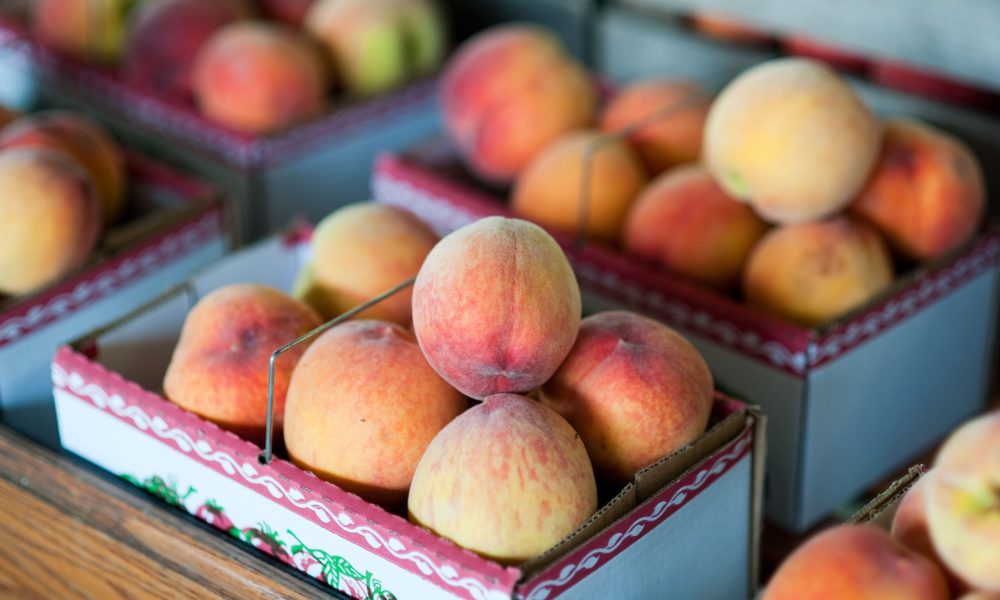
{"x": 69, "y": 532}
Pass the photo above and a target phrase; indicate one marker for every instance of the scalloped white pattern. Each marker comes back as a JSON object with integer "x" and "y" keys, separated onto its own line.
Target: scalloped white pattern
{"x": 76, "y": 384}
{"x": 592, "y": 559}
{"x": 105, "y": 281}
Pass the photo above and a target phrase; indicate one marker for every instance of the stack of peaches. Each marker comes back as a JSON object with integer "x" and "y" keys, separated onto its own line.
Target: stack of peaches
{"x": 784, "y": 189}
{"x": 62, "y": 180}
{"x": 245, "y": 72}
{"x": 944, "y": 541}
{"x": 380, "y": 405}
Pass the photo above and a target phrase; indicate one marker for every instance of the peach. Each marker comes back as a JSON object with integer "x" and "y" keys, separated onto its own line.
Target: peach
{"x": 550, "y": 191}
{"x": 164, "y": 38}
{"x": 856, "y": 562}
{"x": 963, "y": 503}
{"x": 86, "y": 142}
{"x": 507, "y": 93}
{"x": 49, "y": 218}
{"x": 665, "y": 121}
{"x": 634, "y": 389}
{"x": 686, "y": 222}
{"x": 496, "y": 307}
{"x": 811, "y": 273}
{"x": 791, "y": 138}
{"x": 507, "y": 479}
{"x": 219, "y": 368}
{"x": 362, "y": 250}
{"x": 258, "y": 77}
{"x": 88, "y": 29}
{"x": 291, "y": 12}
{"x": 927, "y": 194}
{"x": 362, "y": 406}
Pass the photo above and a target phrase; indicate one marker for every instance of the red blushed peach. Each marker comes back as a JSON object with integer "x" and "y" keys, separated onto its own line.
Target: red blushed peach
{"x": 634, "y": 390}
{"x": 792, "y": 139}
{"x": 86, "y": 142}
{"x": 258, "y": 77}
{"x": 856, "y": 562}
{"x": 927, "y": 194}
{"x": 88, "y": 29}
{"x": 362, "y": 406}
{"x": 496, "y": 307}
{"x": 666, "y": 121}
{"x": 507, "y": 479}
{"x": 49, "y": 218}
{"x": 550, "y": 190}
{"x": 686, "y": 222}
{"x": 507, "y": 93}
{"x": 219, "y": 368}
{"x": 164, "y": 38}
{"x": 811, "y": 273}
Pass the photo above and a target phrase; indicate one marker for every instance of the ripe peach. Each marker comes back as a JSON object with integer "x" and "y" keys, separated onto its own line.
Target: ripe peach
{"x": 927, "y": 194}
{"x": 258, "y": 77}
{"x": 550, "y": 190}
{"x": 963, "y": 503}
{"x": 88, "y": 29}
{"x": 49, "y": 218}
{"x": 507, "y": 479}
{"x": 86, "y": 142}
{"x": 362, "y": 406}
{"x": 425, "y": 34}
{"x": 496, "y": 307}
{"x": 362, "y": 250}
{"x": 687, "y": 223}
{"x": 792, "y": 139}
{"x": 219, "y": 368}
{"x": 667, "y": 121}
{"x": 856, "y": 562}
{"x": 634, "y": 390}
{"x": 164, "y": 38}
{"x": 509, "y": 92}
{"x": 811, "y": 273}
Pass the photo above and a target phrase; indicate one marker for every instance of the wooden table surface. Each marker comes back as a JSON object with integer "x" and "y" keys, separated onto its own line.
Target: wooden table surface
{"x": 69, "y": 531}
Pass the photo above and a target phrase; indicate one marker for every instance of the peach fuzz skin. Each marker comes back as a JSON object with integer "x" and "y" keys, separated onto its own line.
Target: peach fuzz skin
{"x": 509, "y": 92}
{"x": 856, "y": 562}
{"x": 49, "y": 218}
{"x": 665, "y": 121}
{"x": 684, "y": 221}
{"x": 258, "y": 77}
{"x": 927, "y": 194}
{"x": 496, "y": 307}
{"x": 362, "y": 406}
{"x": 792, "y": 139}
{"x": 549, "y": 191}
{"x": 811, "y": 273}
{"x": 219, "y": 368}
{"x": 507, "y": 479}
{"x": 86, "y": 142}
{"x": 963, "y": 503}
{"x": 634, "y": 389}
{"x": 86, "y": 29}
{"x": 362, "y": 250}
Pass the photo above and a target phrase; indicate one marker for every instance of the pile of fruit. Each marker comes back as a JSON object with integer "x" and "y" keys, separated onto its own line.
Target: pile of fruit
{"x": 62, "y": 181}
{"x": 944, "y": 542}
{"x": 251, "y": 73}
{"x": 380, "y": 405}
{"x": 784, "y": 190}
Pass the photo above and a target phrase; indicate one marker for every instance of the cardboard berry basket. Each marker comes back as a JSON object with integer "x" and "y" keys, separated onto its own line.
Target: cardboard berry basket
{"x": 306, "y": 170}
{"x": 173, "y": 225}
{"x": 886, "y": 381}
{"x": 689, "y": 523}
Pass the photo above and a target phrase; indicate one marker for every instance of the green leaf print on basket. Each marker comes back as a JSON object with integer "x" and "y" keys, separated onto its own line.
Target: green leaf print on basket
{"x": 336, "y": 567}
{"x": 161, "y": 488}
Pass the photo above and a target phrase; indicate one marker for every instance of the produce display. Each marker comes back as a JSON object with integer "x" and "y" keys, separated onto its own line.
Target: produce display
{"x": 385, "y": 413}
{"x": 246, "y": 72}
{"x": 944, "y": 540}
{"x": 784, "y": 190}
{"x": 62, "y": 181}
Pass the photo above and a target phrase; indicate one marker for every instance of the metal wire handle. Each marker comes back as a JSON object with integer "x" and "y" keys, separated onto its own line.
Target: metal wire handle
{"x": 268, "y": 453}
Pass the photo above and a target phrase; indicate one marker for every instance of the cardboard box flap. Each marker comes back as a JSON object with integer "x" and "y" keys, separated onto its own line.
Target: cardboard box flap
{"x": 882, "y": 509}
